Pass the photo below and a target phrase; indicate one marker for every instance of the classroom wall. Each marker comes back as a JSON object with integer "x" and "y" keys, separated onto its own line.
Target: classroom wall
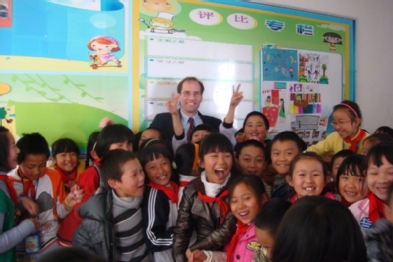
{"x": 374, "y": 34}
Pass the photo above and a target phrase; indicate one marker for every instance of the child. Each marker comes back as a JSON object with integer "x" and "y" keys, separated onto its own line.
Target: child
{"x": 308, "y": 175}
{"x": 316, "y": 228}
{"x": 239, "y": 135}
{"x": 337, "y": 159}
{"x": 284, "y": 147}
{"x": 114, "y": 136}
{"x": 160, "y": 201}
{"x": 65, "y": 155}
{"x": 10, "y": 236}
{"x": 112, "y": 219}
{"x": 149, "y": 133}
{"x": 374, "y": 139}
{"x": 379, "y": 240}
{"x": 346, "y": 122}
{"x": 246, "y": 196}
{"x": 384, "y": 130}
{"x": 379, "y": 177}
{"x": 350, "y": 180}
{"x": 43, "y": 186}
{"x": 256, "y": 126}
{"x": 204, "y": 205}
{"x": 250, "y": 158}
{"x": 266, "y": 225}
{"x": 186, "y": 159}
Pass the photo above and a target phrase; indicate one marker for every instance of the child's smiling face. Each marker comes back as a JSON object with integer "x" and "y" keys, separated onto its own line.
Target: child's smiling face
{"x": 282, "y": 153}
{"x": 66, "y": 161}
{"x": 352, "y": 187}
{"x": 251, "y": 161}
{"x": 34, "y": 166}
{"x": 217, "y": 166}
{"x": 379, "y": 179}
{"x": 159, "y": 170}
{"x": 344, "y": 125}
{"x": 244, "y": 204}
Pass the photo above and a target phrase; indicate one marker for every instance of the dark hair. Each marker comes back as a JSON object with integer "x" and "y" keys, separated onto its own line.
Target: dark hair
{"x": 220, "y": 142}
{"x": 184, "y": 159}
{"x": 91, "y": 142}
{"x": 189, "y": 78}
{"x": 384, "y": 130}
{"x": 161, "y": 134}
{"x": 251, "y": 142}
{"x": 154, "y": 141}
{"x": 241, "y": 130}
{"x": 256, "y": 113}
{"x": 111, "y": 134}
{"x": 64, "y": 145}
{"x": 270, "y": 215}
{"x": 308, "y": 155}
{"x": 250, "y": 181}
{"x": 152, "y": 152}
{"x": 351, "y": 108}
{"x": 200, "y": 127}
{"x": 378, "y": 138}
{"x": 316, "y": 228}
{"x": 342, "y": 153}
{"x": 70, "y": 254}
{"x": 4, "y": 149}
{"x": 290, "y": 136}
{"x": 377, "y": 152}
{"x": 332, "y": 34}
{"x": 353, "y": 165}
{"x": 32, "y": 144}
{"x": 111, "y": 165}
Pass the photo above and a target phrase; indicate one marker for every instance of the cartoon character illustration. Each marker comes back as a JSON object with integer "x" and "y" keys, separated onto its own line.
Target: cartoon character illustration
{"x": 157, "y": 5}
{"x": 162, "y": 24}
{"x": 281, "y": 113}
{"x": 291, "y": 72}
{"x": 316, "y": 74}
{"x": 333, "y": 39}
{"x": 103, "y": 47}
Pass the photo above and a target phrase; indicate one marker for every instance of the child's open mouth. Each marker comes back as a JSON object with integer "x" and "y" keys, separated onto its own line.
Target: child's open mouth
{"x": 220, "y": 173}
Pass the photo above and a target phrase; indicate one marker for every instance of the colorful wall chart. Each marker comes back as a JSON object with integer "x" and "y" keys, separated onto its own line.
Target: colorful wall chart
{"x": 83, "y": 60}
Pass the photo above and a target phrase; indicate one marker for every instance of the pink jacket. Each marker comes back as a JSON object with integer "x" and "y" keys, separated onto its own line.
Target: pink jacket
{"x": 246, "y": 245}
{"x": 360, "y": 210}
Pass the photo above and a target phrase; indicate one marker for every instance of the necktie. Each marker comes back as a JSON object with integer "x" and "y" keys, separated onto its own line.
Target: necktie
{"x": 192, "y": 126}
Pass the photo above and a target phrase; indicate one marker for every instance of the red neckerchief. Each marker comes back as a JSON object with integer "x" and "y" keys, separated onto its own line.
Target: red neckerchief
{"x": 355, "y": 140}
{"x": 66, "y": 178}
{"x": 241, "y": 229}
{"x": 28, "y": 185}
{"x": 10, "y": 188}
{"x": 376, "y": 209}
{"x": 222, "y": 205}
{"x": 172, "y": 195}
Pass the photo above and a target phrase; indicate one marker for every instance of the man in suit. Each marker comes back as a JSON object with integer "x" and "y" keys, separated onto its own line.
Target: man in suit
{"x": 189, "y": 95}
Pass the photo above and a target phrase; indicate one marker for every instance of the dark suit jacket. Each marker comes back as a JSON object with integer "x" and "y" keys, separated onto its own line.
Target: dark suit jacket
{"x": 163, "y": 121}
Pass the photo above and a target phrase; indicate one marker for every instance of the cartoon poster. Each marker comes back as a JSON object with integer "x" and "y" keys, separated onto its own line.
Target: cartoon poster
{"x": 87, "y": 59}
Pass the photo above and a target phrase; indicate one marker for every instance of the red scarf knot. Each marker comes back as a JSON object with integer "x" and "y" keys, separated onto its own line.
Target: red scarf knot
{"x": 173, "y": 195}
{"x": 360, "y": 135}
{"x": 222, "y": 205}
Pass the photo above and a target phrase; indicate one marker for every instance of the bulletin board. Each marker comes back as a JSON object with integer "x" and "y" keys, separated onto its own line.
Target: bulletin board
{"x": 82, "y": 60}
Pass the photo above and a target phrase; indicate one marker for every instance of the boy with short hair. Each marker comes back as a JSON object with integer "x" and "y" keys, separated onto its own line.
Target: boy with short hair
{"x": 112, "y": 219}
{"x": 379, "y": 239}
{"x": 284, "y": 147}
{"x": 44, "y": 186}
{"x": 266, "y": 225}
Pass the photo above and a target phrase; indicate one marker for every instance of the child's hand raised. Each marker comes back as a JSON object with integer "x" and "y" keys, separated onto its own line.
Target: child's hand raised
{"x": 237, "y": 96}
{"x": 171, "y": 105}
